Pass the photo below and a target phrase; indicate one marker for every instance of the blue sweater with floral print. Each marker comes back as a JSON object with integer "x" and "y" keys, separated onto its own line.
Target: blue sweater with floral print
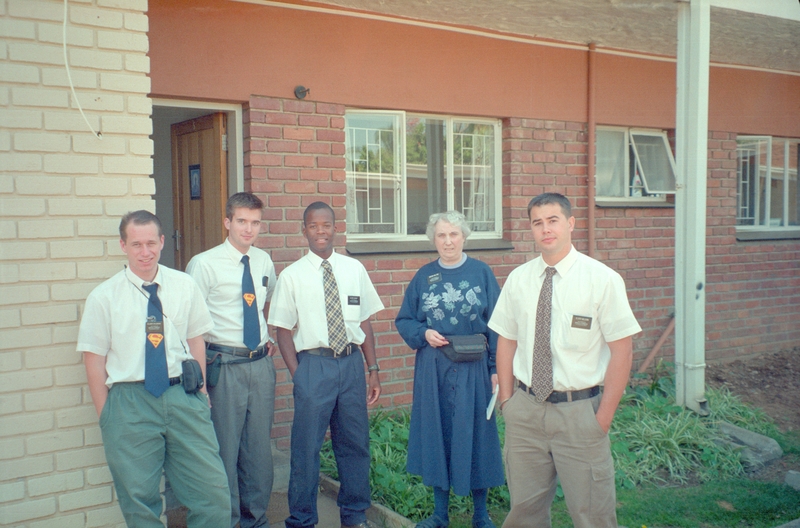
{"x": 452, "y": 301}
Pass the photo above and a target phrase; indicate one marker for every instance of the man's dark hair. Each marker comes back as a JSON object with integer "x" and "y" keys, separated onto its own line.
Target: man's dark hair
{"x": 316, "y": 206}
{"x": 246, "y": 200}
{"x": 140, "y": 217}
{"x": 551, "y": 198}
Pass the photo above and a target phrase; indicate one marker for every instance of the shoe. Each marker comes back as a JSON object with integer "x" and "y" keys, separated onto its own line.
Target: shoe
{"x": 365, "y": 524}
{"x": 434, "y": 521}
{"x": 485, "y": 522}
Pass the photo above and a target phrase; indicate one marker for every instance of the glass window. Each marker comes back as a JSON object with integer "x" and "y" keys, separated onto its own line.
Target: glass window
{"x": 766, "y": 183}
{"x": 633, "y": 164}
{"x": 374, "y": 172}
{"x": 401, "y": 168}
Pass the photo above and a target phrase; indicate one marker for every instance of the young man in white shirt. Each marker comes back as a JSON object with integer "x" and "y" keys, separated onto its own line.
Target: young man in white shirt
{"x": 236, "y": 280}
{"x": 560, "y": 429}
{"x": 322, "y": 305}
{"x": 137, "y": 329}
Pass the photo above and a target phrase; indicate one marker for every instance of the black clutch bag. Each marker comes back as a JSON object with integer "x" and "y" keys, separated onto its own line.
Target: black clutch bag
{"x": 464, "y": 348}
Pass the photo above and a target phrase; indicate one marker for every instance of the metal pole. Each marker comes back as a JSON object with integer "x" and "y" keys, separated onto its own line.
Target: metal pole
{"x": 690, "y": 202}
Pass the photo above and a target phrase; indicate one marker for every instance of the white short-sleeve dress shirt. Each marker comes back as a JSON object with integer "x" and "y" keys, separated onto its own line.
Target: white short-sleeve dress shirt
{"x": 590, "y": 309}
{"x": 299, "y": 300}
{"x": 218, "y": 272}
{"x": 113, "y": 322}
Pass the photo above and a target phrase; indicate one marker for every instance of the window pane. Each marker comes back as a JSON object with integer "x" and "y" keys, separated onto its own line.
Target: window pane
{"x": 653, "y": 155}
{"x": 777, "y": 183}
{"x": 426, "y": 171}
{"x": 794, "y": 197}
{"x": 373, "y": 173}
{"x": 474, "y": 173}
{"x": 610, "y": 162}
{"x": 762, "y": 187}
{"x": 750, "y": 157}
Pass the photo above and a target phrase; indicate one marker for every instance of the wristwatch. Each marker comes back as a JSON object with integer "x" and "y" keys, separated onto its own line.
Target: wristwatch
{"x": 374, "y": 368}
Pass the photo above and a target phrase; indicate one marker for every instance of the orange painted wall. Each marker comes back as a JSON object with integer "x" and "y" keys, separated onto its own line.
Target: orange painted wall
{"x": 754, "y": 102}
{"x": 227, "y": 51}
{"x": 635, "y": 92}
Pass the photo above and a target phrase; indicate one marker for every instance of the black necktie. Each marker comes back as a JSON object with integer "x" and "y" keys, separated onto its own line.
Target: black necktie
{"x": 156, "y": 374}
{"x": 251, "y": 327}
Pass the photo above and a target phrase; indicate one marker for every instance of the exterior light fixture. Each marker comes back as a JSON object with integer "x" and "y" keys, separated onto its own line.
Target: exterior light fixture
{"x": 301, "y": 91}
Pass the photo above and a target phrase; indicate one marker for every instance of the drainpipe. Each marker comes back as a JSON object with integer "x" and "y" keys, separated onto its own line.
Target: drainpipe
{"x": 590, "y": 89}
{"x": 691, "y": 157}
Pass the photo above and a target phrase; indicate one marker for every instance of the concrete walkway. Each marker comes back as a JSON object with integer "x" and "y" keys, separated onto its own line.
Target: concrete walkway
{"x": 327, "y": 509}
{"x": 278, "y": 509}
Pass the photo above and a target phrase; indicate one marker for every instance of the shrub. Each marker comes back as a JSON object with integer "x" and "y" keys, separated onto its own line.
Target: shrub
{"x": 653, "y": 441}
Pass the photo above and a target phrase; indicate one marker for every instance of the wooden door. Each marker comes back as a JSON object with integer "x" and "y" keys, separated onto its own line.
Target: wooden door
{"x": 199, "y": 184}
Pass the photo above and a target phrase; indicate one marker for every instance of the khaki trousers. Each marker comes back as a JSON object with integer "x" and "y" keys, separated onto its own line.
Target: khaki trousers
{"x": 545, "y": 440}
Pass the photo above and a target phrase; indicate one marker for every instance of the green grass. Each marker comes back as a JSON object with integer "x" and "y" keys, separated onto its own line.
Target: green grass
{"x": 658, "y": 448}
{"x": 723, "y": 504}
{"x": 737, "y": 502}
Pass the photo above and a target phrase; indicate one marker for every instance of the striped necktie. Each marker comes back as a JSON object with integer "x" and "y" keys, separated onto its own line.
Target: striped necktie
{"x": 337, "y": 335}
{"x": 542, "y": 380}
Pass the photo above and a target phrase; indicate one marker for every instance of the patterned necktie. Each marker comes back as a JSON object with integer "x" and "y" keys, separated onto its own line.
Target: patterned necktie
{"x": 156, "y": 375}
{"x": 251, "y": 328}
{"x": 337, "y": 335}
{"x": 542, "y": 380}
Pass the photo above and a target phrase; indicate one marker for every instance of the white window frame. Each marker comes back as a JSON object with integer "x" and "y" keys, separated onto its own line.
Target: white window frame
{"x": 399, "y": 184}
{"x": 401, "y": 223}
{"x": 660, "y": 195}
{"x": 784, "y": 174}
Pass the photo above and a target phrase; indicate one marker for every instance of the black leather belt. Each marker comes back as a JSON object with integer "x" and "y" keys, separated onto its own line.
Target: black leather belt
{"x": 328, "y": 352}
{"x": 172, "y": 381}
{"x": 566, "y": 396}
{"x": 238, "y": 351}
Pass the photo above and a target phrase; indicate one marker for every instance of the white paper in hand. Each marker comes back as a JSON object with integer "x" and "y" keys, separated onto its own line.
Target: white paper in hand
{"x": 490, "y": 407}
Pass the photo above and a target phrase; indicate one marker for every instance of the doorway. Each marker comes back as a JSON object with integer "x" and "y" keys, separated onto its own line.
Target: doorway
{"x": 174, "y": 204}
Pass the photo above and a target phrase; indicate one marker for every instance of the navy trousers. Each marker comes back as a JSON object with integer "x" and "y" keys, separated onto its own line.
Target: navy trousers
{"x": 329, "y": 391}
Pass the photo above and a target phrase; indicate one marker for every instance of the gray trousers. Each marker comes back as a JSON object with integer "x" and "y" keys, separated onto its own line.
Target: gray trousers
{"x": 242, "y": 409}
{"x": 545, "y": 440}
{"x": 143, "y": 435}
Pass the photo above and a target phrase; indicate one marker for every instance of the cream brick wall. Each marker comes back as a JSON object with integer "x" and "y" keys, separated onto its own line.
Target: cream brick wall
{"x": 61, "y": 194}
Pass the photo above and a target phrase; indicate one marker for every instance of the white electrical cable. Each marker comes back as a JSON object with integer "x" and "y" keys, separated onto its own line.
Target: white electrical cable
{"x": 98, "y": 135}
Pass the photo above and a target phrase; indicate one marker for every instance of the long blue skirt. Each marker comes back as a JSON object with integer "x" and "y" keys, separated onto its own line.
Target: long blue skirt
{"x": 451, "y": 443}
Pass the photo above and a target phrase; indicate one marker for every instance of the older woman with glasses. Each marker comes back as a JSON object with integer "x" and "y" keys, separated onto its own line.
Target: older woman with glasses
{"x": 451, "y": 444}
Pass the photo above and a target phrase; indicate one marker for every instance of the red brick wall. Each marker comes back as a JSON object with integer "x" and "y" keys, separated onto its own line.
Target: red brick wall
{"x": 294, "y": 155}
{"x": 753, "y": 288}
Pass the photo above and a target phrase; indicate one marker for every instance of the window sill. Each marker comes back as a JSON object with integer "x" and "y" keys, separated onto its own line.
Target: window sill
{"x": 373, "y": 247}
{"x": 632, "y": 202}
{"x": 766, "y": 233}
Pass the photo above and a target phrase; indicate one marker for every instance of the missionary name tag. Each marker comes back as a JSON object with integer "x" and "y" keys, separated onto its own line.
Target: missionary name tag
{"x": 353, "y": 300}
{"x": 436, "y": 277}
{"x": 579, "y": 321}
{"x": 154, "y": 327}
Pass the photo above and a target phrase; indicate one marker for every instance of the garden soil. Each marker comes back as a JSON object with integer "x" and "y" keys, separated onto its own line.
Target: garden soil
{"x": 770, "y": 382}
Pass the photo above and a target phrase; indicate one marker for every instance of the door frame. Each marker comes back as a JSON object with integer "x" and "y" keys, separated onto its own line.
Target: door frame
{"x": 235, "y": 134}
{"x": 164, "y": 193}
